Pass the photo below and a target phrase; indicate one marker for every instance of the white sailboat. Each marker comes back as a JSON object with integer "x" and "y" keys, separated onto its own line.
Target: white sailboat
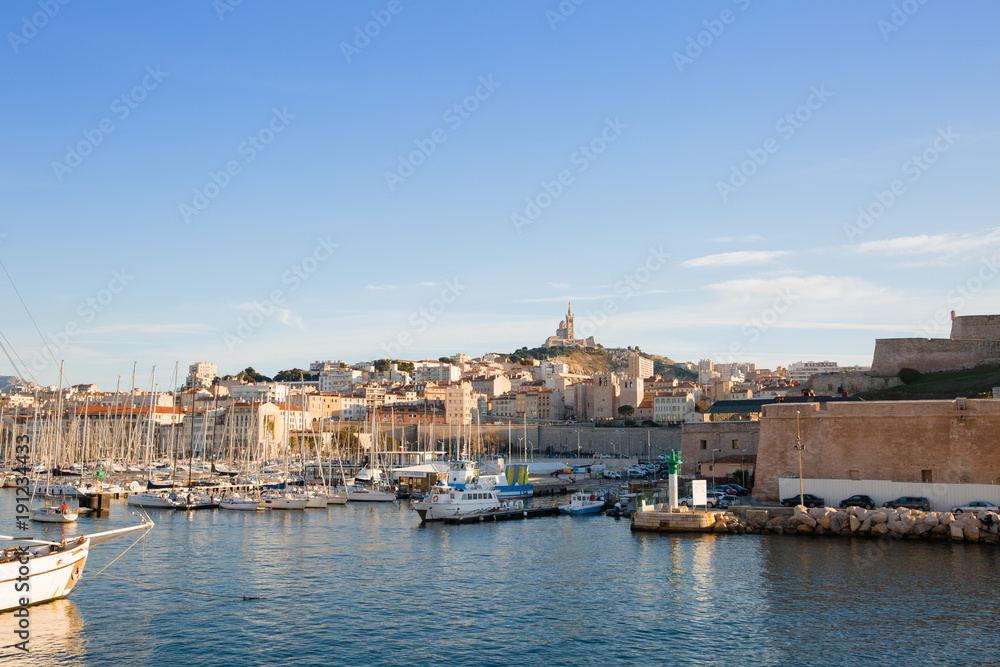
{"x": 52, "y": 569}
{"x": 236, "y": 502}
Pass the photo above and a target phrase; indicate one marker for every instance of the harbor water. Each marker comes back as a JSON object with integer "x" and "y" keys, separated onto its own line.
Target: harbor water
{"x": 370, "y": 585}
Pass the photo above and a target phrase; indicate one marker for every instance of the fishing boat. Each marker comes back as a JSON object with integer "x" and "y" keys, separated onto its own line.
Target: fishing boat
{"x": 583, "y": 502}
{"x": 41, "y": 571}
{"x": 236, "y": 502}
{"x": 446, "y": 502}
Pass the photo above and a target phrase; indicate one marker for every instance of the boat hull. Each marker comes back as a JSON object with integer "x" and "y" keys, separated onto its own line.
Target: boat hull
{"x": 52, "y": 573}
{"x": 53, "y": 515}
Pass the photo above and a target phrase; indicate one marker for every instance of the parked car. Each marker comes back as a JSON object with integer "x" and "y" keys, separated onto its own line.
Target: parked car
{"x": 637, "y": 472}
{"x": 712, "y": 499}
{"x": 975, "y": 506}
{"x": 611, "y": 474}
{"x": 734, "y": 489}
{"x": 808, "y": 499}
{"x": 909, "y": 502}
{"x": 858, "y": 501}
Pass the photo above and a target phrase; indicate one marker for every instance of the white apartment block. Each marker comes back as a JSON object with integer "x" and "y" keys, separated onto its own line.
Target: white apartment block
{"x": 435, "y": 371}
{"x": 265, "y": 392}
{"x": 339, "y": 378}
{"x": 201, "y": 374}
{"x": 802, "y": 370}
{"x": 640, "y": 367}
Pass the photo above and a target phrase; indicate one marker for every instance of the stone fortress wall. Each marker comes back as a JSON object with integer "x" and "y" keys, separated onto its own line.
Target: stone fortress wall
{"x": 975, "y": 340}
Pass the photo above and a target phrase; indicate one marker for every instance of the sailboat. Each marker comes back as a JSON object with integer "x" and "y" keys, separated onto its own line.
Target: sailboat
{"x": 53, "y": 513}
{"x": 51, "y": 569}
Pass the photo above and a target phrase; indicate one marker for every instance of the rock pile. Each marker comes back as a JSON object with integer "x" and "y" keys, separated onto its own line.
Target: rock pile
{"x": 894, "y": 523}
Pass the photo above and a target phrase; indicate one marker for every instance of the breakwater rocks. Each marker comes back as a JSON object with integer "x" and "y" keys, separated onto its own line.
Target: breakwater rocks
{"x": 893, "y": 523}
{"x": 901, "y": 524}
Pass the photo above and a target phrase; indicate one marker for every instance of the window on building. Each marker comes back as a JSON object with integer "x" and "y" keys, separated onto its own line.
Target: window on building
{"x": 926, "y": 475}
{"x": 855, "y": 474}
{"x": 704, "y": 444}
{"x": 736, "y": 443}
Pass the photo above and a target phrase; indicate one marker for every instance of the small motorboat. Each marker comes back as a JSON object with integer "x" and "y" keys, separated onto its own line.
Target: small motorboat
{"x": 54, "y": 514}
{"x": 583, "y": 502}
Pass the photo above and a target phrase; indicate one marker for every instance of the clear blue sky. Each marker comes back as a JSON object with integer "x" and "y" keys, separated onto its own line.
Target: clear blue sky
{"x": 769, "y": 265}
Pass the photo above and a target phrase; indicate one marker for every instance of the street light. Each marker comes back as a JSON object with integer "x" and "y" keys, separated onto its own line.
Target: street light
{"x": 743, "y": 470}
{"x": 799, "y": 446}
{"x": 713, "y": 467}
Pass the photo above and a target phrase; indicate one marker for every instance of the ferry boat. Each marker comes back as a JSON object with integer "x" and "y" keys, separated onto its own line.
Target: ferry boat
{"x": 583, "y": 502}
{"x": 446, "y": 501}
{"x": 510, "y": 481}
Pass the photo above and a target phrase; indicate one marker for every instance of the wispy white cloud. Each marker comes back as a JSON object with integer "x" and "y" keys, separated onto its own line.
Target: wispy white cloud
{"x": 428, "y": 283}
{"x": 752, "y": 238}
{"x": 173, "y": 328}
{"x": 812, "y": 288}
{"x": 558, "y": 285}
{"x": 599, "y": 297}
{"x": 734, "y": 258}
{"x": 944, "y": 246}
{"x": 380, "y": 287}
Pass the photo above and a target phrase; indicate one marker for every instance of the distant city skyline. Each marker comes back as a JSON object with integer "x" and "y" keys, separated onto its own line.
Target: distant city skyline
{"x": 255, "y": 186}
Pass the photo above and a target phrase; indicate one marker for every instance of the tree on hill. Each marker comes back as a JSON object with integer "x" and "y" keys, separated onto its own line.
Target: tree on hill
{"x": 382, "y": 365}
{"x": 406, "y": 367}
{"x": 626, "y": 411}
{"x": 444, "y": 360}
{"x": 248, "y": 374}
{"x": 293, "y": 375}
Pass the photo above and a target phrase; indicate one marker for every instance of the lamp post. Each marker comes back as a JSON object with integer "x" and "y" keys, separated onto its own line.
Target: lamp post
{"x": 799, "y": 446}
{"x": 713, "y": 467}
{"x": 743, "y": 470}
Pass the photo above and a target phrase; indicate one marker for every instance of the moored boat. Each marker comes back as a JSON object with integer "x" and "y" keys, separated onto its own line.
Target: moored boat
{"x": 282, "y": 501}
{"x": 53, "y": 514}
{"x": 236, "y": 502}
{"x": 445, "y": 502}
{"x": 583, "y": 502}
{"x": 52, "y": 569}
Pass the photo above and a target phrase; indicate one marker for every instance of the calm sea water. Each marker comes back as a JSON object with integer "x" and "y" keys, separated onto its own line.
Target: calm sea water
{"x": 370, "y": 585}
